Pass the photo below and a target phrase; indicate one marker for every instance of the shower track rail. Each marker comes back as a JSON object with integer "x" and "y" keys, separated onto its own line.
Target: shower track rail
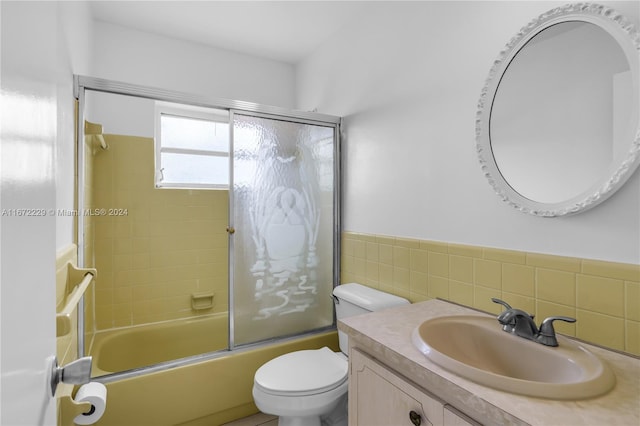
{"x": 116, "y": 87}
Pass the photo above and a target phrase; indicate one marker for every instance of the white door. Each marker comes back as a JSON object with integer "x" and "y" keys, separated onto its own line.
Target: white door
{"x": 28, "y": 124}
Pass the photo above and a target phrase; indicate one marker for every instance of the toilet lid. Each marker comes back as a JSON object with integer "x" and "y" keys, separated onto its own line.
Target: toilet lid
{"x": 303, "y": 372}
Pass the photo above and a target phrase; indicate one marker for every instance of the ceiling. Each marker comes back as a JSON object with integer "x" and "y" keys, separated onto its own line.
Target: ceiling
{"x": 284, "y": 31}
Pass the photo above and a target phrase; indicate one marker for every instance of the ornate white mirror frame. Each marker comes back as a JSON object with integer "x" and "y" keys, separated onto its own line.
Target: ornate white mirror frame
{"x": 628, "y": 38}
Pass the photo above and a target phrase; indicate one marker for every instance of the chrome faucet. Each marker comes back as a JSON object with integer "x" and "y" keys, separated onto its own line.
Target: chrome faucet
{"x": 521, "y": 324}
{"x": 510, "y": 325}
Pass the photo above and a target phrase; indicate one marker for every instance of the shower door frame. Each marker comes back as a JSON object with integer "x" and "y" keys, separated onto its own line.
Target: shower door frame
{"x": 83, "y": 83}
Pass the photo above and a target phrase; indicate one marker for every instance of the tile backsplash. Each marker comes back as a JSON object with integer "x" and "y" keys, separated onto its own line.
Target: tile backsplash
{"x": 604, "y": 297}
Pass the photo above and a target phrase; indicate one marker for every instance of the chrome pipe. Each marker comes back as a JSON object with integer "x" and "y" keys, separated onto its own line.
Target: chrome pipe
{"x": 80, "y": 179}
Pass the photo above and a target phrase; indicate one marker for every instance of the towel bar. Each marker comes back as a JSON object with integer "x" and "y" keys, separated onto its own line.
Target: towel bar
{"x": 63, "y": 317}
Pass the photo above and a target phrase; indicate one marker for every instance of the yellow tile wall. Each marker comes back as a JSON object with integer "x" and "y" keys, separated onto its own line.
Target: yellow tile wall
{"x": 170, "y": 243}
{"x": 604, "y": 297}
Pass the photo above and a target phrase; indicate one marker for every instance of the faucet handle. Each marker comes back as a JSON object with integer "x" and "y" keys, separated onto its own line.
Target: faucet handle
{"x": 508, "y": 327}
{"x": 507, "y": 306}
{"x": 547, "y": 334}
{"x": 501, "y": 302}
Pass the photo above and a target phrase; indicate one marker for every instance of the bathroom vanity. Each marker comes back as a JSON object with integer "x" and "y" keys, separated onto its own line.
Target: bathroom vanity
{"x": 381, "y": 396}
{"x": 392, "y": 383}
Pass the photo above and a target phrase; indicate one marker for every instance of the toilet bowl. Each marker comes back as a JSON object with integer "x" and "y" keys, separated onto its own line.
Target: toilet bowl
{"x": 309, "y": 387}
{"x": 300, "y": 387}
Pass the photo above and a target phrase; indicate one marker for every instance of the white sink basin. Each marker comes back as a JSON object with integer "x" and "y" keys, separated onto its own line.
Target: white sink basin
{"x": 476, "y": 348}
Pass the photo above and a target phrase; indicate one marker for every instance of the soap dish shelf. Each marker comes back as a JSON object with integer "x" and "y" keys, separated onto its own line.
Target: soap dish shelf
{"x": 202, "y": 301}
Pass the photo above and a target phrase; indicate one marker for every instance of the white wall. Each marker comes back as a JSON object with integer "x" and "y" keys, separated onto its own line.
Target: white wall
{"x": 74, "y": 40}
{"x": 137, "y": 57}
{"x": 113, "y": 52}
{"x": 407, "y": 78}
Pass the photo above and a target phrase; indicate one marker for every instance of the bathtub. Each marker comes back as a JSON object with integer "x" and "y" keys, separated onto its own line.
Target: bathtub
{"x": 135, "y": 347}
{"x": 208, "y": 392}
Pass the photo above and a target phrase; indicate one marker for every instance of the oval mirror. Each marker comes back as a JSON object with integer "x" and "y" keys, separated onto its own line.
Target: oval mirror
{"x": 558, "y": 124}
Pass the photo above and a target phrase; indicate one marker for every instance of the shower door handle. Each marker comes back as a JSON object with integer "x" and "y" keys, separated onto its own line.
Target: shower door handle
{"x": 231, "y": 229}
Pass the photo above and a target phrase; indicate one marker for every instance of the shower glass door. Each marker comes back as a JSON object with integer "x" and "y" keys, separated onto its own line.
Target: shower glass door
{"x": 283, "y": 227}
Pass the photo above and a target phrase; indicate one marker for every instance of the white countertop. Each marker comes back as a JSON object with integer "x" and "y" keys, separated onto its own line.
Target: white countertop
{"x": 386, "y": 335}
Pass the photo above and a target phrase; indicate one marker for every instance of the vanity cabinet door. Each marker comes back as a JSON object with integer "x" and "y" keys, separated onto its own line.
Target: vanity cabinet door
{"x": 453, "y": 417}
{"x": 377, "y": 396}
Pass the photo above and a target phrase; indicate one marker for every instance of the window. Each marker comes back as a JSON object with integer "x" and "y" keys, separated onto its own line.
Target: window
{"x": 192, "y": 147}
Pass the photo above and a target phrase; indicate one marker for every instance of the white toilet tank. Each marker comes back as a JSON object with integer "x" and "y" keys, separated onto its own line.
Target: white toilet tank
{"x": 355, "y": 299}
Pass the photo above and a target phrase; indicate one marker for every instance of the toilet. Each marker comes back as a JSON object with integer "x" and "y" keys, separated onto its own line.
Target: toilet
{"x": 309, "y": 387}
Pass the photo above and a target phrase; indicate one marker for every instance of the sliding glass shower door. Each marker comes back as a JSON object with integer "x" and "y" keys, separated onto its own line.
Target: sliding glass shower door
{"x": 283, "y": 227}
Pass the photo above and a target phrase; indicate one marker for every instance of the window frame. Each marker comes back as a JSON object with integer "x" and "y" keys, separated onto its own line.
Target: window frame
{"x": 193, "y": 113}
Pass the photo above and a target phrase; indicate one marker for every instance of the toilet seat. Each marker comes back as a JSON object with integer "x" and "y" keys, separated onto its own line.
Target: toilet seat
{"x": 306, "y": 372}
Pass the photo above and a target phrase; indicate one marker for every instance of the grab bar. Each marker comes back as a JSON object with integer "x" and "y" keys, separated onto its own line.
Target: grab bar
{"x": 63, "y": 317}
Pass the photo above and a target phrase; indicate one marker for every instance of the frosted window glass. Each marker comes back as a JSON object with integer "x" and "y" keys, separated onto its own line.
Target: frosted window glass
{"x": 194, "y": 169}
{"x": 192, "y": 147}
{"x": 283, "y": 201}
{"x": 194, "y": 133}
